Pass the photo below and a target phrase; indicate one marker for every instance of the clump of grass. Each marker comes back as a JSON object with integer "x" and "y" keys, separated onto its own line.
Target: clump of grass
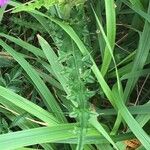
{"x": 77, "y": 77}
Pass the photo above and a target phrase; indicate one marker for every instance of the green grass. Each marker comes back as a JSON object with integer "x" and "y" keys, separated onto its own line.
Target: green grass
{"x": 74, "y": 75}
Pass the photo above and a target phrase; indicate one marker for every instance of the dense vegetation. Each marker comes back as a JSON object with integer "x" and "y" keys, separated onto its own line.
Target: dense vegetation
{"x": 74, "y": 75}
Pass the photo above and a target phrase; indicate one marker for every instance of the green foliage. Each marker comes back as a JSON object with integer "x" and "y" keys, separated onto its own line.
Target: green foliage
{"x": 11, "y": 80}
{"x": 65, "y": 6}
{"x": 74, "y": 74}
{"x": 36, "y": 5}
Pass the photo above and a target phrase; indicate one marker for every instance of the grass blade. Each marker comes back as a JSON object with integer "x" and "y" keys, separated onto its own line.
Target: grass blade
{"x": 36, "y": 51}
{"x": 111, "y": 33}
{"x": 49, "y": 100}
{"x": 53, "y": 60}
{"x": 27, "y": 106}
{"x": 140, "y": 58}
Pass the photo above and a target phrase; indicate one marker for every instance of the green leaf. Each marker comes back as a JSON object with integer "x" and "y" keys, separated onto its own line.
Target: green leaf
{"x": 48, "y": 98}
{"x": 53, "y": 60}
{"x": 140, "y": 58}
{"x": 111, "y": 33}
{"x": 36, "y": 51}
{"x": 27, "y": 106}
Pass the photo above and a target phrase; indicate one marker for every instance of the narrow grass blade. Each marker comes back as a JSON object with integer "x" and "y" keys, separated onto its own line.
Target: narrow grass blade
{"x": 136, "y": 74}
{"x": 50, "y": 80}
{"x": 104, "y": 147}
{"x": 25, "y": 123}
{"x": 132, "y": 123}
{"x": 138, "y": 10}
{"x": 111, "y": 33}
{"x": 57, "y": 134}
{"x": 139, "y": 109}
{"x": 31, "y": 136}
{"x": 137, "y": 4}
{"x": 49, "y": 100}
{"x": 140, "y": 58}
{"x": 36, "y": 51}
{"x": 27, "y": 106}
{"x": 53, "y": 60}
{"x": 100, "y": 128}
